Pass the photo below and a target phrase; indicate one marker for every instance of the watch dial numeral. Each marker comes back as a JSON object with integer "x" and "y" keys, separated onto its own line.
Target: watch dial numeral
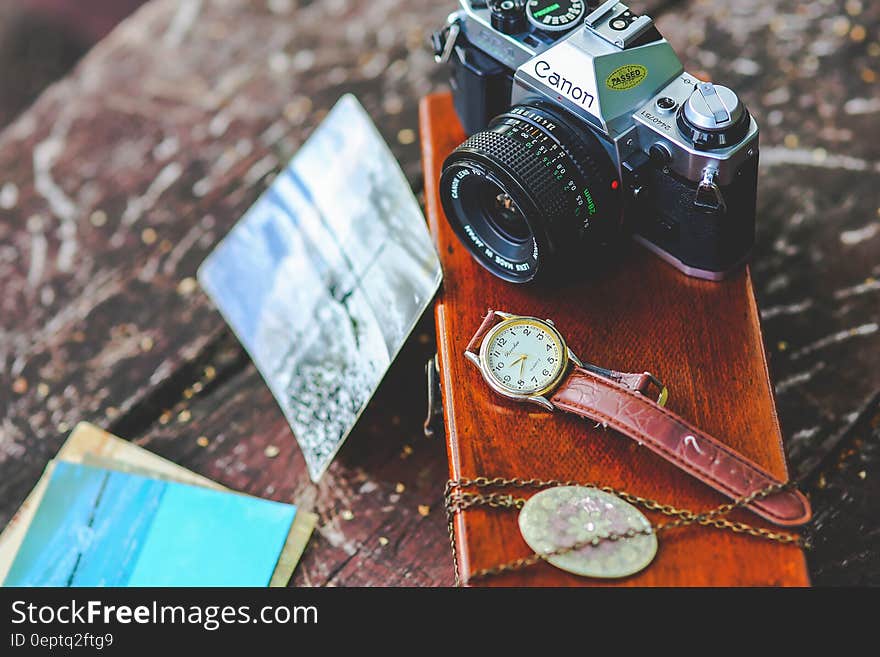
{"x": 524, "y": 357}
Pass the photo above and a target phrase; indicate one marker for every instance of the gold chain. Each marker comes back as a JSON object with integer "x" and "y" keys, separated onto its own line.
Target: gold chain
{"x": 457, "y": 500}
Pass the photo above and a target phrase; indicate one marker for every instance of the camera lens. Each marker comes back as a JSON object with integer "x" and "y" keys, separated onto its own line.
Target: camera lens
{"x": 532, "y": 196}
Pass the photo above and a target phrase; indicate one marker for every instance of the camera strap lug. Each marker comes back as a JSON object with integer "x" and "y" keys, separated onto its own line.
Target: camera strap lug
{"x": 444, "y": 41}
{"x": 709, "y": 197}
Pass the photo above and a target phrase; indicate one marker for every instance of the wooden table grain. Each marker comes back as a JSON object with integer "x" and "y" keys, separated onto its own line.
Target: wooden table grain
{"x": 122, "y": 177}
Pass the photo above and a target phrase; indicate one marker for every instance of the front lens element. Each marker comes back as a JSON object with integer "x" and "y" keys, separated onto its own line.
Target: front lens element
{"x": 492, "y": 223}
{"x": 502, "y": 215}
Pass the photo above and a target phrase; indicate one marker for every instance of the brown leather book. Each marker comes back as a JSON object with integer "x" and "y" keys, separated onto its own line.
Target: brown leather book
{"x": 702, "y": 339}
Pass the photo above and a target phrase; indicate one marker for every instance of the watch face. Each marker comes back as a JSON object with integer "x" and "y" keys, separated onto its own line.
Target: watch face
{"x": 523, "y": 356}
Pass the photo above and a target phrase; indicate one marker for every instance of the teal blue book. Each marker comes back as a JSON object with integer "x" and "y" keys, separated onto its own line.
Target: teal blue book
{"x": 98, "y": 527}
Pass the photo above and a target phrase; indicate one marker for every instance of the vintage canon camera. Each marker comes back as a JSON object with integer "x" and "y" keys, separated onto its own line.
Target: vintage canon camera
{"x": 584, "y": 127}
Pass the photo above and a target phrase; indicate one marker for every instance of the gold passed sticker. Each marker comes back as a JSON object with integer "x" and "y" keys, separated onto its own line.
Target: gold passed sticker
{"x": 626, "y": 77}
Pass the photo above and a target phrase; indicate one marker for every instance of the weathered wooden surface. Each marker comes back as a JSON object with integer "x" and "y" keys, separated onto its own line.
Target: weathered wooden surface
{"x": 119, "y": 181}
{"x": 34, "y": 52}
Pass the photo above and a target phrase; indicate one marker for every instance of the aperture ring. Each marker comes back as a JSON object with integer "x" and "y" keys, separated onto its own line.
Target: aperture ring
{"x": 602, "y": 220}
{"x": 570, "y": 142}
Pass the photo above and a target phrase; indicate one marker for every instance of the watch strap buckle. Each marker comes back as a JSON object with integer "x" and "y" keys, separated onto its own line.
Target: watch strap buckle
{"x": 663, "y": 391}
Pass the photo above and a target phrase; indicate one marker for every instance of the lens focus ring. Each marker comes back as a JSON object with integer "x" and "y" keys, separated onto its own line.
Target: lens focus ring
{"x": 519, "y": 163}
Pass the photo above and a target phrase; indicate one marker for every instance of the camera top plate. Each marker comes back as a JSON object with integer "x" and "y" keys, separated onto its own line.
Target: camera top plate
{"x": 596, "y": 81}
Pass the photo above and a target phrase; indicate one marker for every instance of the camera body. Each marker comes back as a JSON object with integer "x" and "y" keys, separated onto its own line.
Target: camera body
{"x": 643, "y": 147}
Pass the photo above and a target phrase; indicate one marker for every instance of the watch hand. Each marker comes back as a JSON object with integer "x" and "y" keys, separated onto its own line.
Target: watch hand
{"x": 522, "y": 365}
{"x": 516, "y": 361}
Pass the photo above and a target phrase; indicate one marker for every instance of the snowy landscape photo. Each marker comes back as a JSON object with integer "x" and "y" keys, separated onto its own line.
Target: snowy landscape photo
{"x": 324, "y": 278}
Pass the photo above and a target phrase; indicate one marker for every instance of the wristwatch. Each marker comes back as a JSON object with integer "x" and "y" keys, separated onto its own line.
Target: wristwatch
{"x": 526, "y": 359}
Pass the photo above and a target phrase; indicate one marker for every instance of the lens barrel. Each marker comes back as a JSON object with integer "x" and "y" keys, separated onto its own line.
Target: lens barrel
{"x": 532, "y": 197}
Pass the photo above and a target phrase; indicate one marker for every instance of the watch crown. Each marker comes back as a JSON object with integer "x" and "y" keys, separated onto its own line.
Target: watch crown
{"x": 550, "y": 322}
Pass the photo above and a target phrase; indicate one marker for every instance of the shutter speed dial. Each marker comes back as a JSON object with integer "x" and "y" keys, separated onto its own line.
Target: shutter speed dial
{"x": 555, "y": 16}
{"x": 713, "y": 117}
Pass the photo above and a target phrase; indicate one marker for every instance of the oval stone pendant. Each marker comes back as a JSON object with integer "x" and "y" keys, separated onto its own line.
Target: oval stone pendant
{"x": 559, "y": 517}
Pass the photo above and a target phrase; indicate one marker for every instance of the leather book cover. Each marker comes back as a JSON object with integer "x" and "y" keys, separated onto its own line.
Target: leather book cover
{"x": 703, "y": 339}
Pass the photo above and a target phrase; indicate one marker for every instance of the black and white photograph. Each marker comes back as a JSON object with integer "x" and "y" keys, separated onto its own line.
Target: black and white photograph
{"x": 325, "y": 277}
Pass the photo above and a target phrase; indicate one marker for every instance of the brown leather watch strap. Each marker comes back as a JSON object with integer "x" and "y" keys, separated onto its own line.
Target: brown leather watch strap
{"x": 668, "y": 435}
{"x": 639, "y": 381}
{"x": 489, "y": 321}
